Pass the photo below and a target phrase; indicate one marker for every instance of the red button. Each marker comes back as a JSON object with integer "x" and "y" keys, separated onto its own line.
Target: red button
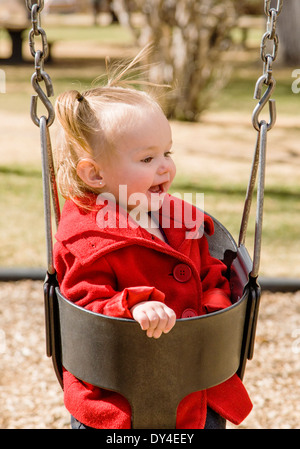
{"x": 182, "y": 272}
{"x": 188, "y": 313}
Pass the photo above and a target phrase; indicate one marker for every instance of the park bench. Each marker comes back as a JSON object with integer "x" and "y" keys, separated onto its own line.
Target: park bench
{"x": 14, "y": 19}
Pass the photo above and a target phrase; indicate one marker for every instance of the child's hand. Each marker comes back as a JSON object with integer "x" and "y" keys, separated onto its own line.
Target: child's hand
{"x": 154, "y": 317}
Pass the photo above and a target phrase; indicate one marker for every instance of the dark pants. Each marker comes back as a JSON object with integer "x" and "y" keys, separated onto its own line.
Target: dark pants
{"x": 213, "y": 421}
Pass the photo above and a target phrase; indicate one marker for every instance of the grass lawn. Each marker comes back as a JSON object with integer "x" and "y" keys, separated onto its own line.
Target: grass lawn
{"x": 21, "y": 203}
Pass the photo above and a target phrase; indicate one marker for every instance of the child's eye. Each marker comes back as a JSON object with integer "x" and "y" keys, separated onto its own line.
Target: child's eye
{"x": 168, "y": 153}
{"x": 147, "y": 160}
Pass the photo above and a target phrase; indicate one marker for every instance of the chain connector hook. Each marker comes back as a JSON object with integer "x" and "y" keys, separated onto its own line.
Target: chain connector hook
{"x": 43, "y": 97}
{"x": 268, "y": 10}
{"x": 263, "y": 101}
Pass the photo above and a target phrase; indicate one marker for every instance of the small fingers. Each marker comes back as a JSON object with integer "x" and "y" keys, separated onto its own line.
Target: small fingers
{"x": 154, "y": 317}
{"x": 171, "y": 321}
{"x": 143, "y": 320}
{"x": 153, "y": 333}
{"x": 162, "y": 322}
{"x": 155, "y": 323}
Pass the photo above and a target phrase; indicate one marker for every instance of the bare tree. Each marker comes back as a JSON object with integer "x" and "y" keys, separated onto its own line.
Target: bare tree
{"x": 189, "y": 37}
{"x": 289, "y": 32}
{"x": 249, "y": 7}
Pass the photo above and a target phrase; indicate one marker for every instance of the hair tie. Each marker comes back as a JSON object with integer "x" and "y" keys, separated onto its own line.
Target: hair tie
{"x": 80, "y": 98}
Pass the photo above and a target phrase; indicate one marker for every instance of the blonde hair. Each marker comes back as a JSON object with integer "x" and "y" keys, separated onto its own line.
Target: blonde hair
{"x": 88, "y": 123}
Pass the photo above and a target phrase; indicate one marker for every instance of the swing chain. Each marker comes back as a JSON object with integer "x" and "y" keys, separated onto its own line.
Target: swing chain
{"x": 268, "y": 56}
{"x": 270, "y": 35}
{"x": 48, "y": 172}
{"x": 35, "y": 7}
{"x": 262, "y": 127}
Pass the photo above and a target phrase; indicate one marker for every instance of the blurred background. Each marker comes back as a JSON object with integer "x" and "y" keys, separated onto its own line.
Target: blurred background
{"x": 209, "y": 52}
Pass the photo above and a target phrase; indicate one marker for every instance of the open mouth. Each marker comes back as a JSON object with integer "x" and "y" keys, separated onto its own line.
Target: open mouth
{"x": 157, "y": 189}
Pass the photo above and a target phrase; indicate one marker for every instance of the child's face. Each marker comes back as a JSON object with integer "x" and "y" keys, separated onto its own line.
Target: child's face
{"x": 141, "y": 161}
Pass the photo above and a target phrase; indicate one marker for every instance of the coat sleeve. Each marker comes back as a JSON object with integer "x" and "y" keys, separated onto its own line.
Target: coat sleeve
{"x": 94, "y": 286}
{"x": 215, "y": 285}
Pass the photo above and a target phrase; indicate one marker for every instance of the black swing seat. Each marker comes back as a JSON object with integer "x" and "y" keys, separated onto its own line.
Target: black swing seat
{"x": 155, "y": 375}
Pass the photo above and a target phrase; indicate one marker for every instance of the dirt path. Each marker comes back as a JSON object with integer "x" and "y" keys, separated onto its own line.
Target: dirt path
{"x": 220, "y": 144}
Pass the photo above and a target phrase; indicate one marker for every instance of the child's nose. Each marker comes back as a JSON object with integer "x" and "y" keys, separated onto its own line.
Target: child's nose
{"x": 164, "y": 167}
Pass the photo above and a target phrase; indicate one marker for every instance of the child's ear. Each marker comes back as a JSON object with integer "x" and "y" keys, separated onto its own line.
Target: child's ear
{"x": 89, "y": 172}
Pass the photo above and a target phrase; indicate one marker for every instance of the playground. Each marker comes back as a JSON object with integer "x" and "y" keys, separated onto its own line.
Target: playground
{"x": 213, "y": 156}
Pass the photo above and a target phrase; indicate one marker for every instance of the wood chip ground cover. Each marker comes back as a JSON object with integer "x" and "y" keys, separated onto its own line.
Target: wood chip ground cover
{"x": 31, "y": 398}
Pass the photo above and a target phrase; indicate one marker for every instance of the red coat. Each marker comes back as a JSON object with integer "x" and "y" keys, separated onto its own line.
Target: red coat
{"x": 109, "y": 270}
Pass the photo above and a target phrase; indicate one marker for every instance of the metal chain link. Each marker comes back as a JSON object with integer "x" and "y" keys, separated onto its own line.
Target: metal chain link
{"x": 35, "y": 7}
{"x": 49, "y": 183}
{"x": 270, "y": 35}
{"x": 268, "y": 57}
{"x": 262, "y": 127}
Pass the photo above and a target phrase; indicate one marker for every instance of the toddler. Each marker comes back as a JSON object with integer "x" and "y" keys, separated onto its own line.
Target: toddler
{"x": 124, "y": 246}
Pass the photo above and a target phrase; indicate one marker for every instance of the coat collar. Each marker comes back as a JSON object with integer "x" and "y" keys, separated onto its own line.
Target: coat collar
{"x": 106, "y": 227}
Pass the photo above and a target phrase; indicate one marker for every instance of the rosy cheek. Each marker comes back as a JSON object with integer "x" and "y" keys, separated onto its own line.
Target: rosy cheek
{"x": 173, "y": 171}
